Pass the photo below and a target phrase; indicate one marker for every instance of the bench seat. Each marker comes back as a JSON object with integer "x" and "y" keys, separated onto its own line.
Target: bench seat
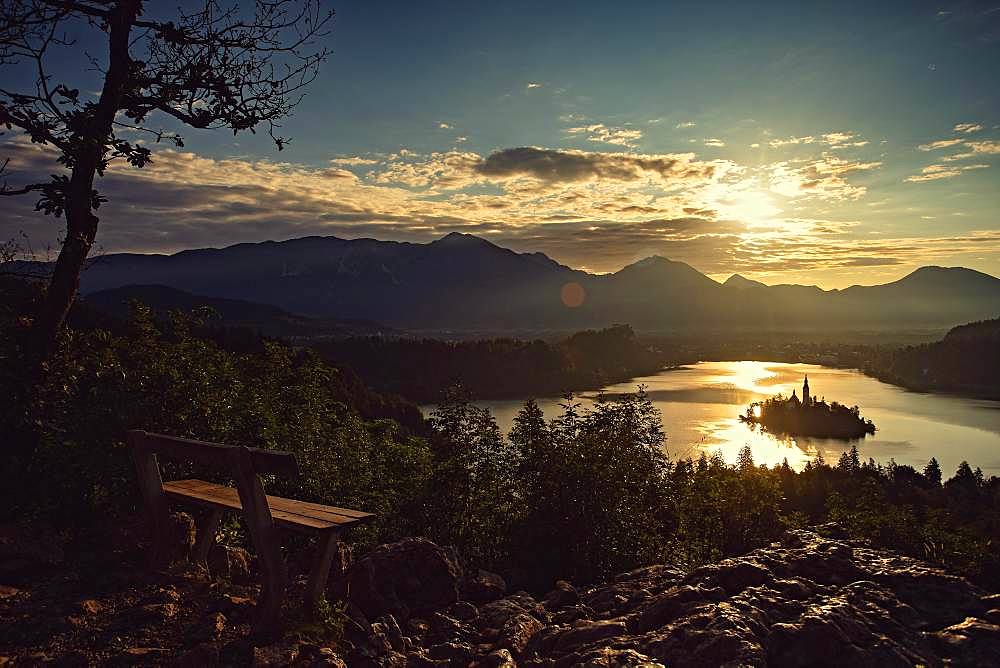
{"x": 287, "y": 513}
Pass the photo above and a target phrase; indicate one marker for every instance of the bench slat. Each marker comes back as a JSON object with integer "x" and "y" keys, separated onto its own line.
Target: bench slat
{"x": 316, "y": 510}
{"x": 286, "y": 512}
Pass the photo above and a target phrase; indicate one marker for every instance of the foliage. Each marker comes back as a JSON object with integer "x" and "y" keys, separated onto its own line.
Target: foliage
{"x": 583, "y": 495}
{"x": 101, "y": 384}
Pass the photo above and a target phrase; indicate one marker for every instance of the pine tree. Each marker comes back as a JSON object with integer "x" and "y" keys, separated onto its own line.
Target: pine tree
{"x": 933, "y": 472}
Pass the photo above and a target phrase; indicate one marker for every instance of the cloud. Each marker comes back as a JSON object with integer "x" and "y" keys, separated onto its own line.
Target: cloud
{"x": 990, "y": 147}
{"x": 353, "y": 161}
{"x": 777, "y": 143}
{"x": 967, "y": 128}
{"x": 836, "y": 140}
{"x": 823, "y": 178}
{"x": 551, "y": 165}
{"x": 683, "y": 125}
{"x": 598, "y": 132}
{"x": 717, "y": 143}
{"x": 941, "y": 143}
{"x": 937, "y": 172}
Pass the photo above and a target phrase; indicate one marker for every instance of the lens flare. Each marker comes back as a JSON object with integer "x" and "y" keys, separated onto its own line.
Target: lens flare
{"x": 573, "y": 295}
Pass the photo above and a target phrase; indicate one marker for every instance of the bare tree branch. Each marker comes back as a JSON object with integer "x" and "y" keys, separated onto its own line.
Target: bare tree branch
{"x": 239, "y": 66}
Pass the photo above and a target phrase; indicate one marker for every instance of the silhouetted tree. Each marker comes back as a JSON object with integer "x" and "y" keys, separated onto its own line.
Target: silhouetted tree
{"x": 933, "y": 472}
{"x": 744, "y": 460}
{"x": 210, "y": 67}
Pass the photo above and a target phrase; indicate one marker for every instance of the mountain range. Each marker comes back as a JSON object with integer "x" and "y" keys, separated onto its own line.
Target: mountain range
{"x": 462, "y": 282}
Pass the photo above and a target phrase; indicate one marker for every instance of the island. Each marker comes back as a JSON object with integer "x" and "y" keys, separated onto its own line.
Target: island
{"x": 808, "y": 417}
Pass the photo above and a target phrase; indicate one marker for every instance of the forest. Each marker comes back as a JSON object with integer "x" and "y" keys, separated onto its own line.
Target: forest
{"x": 964, "y": 361}
{"x": 580, "y": 496}
{"x": 423, "y": 369}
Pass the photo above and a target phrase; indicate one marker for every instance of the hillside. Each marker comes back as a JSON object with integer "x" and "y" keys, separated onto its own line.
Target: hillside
{"x": 266, "y": 319}
{"x": 966, "y": 360}
{"x": 462, "y": 283}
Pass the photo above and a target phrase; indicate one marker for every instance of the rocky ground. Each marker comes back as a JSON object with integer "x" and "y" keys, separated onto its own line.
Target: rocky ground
{"x": 813, "y": 599}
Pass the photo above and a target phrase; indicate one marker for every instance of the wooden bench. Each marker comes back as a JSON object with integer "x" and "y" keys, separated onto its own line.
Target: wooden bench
{"x": 263, "y": 514}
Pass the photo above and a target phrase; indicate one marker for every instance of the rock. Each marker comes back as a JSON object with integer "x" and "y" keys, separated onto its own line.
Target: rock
{"x": 573, "y": 614}
{"x": 459, "y": 654}
{"x": 214, "y": 625}
{"x": 972, "y": 642}
{"x": 500, "y": 658}
{"x": 390, "y": 629}
{"x": 482, "y": 587}
{"x": 517, "y": 631}
{"x": 564, "y": 594}
{"x": 670, "y": 605}
{"x": 168, "y": 594}
{"x": 90, "y": 607}
{"x": 314, "y": 656}
{"x": 584, "y": 633}
{"x": 409, "y": 577}
{"x": 607, "y": 657}
{"x": 7, "y": 591}
{"x": 156, "y": 613}
{"x": 230, "y": 563}
{"x": 495, "y": 614}
{"x": 463, "y": 611}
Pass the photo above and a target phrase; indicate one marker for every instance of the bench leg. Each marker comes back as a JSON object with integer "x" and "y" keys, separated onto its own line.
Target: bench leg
{"x": 316, "y": 587}
{"x": 155, "y": 502}
{"x": 208, "y": 526}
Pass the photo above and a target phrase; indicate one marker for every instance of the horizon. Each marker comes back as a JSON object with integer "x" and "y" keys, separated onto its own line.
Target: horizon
{"x": 718, "y": 278}
{"x": 831, "y": 146}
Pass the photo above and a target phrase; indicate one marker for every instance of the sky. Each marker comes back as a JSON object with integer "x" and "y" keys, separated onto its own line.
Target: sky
{"x": 827, "y": 143}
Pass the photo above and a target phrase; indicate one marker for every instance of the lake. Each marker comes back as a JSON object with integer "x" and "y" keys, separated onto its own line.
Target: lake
{"x": 701, "y": 403}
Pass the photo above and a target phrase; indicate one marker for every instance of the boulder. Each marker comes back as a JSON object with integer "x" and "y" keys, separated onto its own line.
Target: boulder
{"x": 405, "y": 578}
{"x": 517, "y": 631}
{"x": 563, "y": 595}
{"x": 482, "y": 587}
{"x": 229, "y": 563}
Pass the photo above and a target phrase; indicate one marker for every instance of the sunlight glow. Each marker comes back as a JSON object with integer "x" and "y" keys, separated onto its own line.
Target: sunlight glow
{"x": 744, "y": 201}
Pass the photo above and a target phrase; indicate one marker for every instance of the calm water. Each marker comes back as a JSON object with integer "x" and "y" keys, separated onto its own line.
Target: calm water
{"x": 701, "y": 404}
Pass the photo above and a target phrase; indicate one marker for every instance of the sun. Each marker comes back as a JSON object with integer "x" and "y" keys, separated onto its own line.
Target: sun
{"x": 755, "y": 207}
{"x": 745, "y": 202}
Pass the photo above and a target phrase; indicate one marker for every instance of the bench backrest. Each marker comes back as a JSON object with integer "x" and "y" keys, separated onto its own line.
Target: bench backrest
{"x": 213, "y": 455}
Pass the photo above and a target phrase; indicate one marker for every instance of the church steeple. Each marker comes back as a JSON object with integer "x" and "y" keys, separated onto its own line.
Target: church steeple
{"x": 806, "y": 397}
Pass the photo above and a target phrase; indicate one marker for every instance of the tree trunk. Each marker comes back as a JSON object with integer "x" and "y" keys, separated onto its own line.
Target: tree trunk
{"x": 81, "y": 229}
{"x": 81, "y": 223}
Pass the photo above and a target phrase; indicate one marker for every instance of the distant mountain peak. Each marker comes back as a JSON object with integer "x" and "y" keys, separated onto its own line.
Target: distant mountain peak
{"x": 461, "y": 239}
{"x": 742, "y": 283}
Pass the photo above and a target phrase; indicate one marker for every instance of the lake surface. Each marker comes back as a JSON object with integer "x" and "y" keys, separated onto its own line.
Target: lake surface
{"x": 701, "y": 403}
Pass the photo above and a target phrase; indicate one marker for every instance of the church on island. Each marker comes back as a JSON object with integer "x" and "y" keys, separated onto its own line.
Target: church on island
{"x": 808, "y": 416}
{"x": 806, "y": 397}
